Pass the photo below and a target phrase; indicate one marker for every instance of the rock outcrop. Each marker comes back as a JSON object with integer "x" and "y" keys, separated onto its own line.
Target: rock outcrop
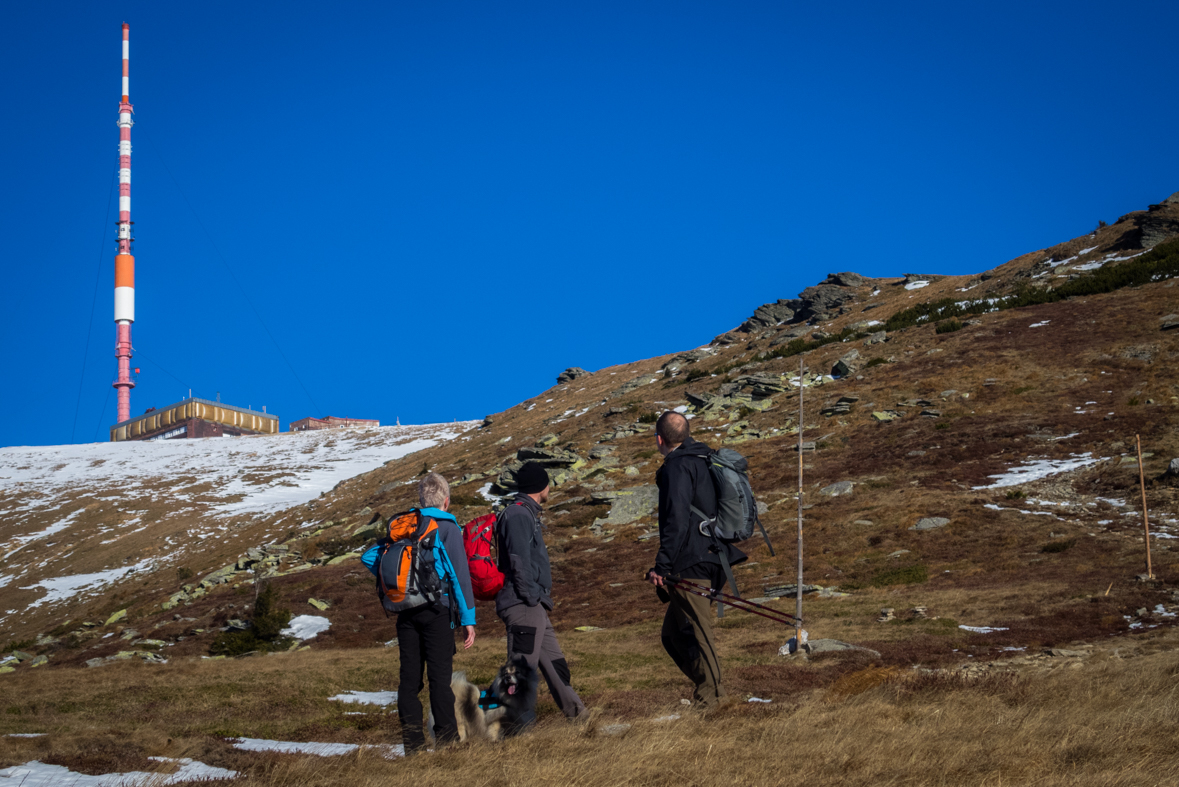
{"x": 571, "y": 374}
{"x": 820, "y": 302}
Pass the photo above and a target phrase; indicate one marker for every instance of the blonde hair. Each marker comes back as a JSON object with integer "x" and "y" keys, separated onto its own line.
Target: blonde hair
{"x": 433, "y": 491}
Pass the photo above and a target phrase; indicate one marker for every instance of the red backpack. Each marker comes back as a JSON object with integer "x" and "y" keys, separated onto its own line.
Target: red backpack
{"x": 486, "y": 578}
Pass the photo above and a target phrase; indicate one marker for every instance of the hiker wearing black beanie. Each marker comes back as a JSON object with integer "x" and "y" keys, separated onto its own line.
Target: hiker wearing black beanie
{"x": 525, "y": 601}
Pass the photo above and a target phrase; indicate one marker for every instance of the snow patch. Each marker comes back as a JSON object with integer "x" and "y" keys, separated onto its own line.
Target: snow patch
{"x": 39, "y": 774}
{"x": 1036, "y": 469}
{"x": 306, "y": 627}
{"x": 382, "y": 698}
{"x": 916, "y": 285}
{"x": 63, "y": 588}
{"x": 982, "y": 629}
{"x": 320, "y": 749}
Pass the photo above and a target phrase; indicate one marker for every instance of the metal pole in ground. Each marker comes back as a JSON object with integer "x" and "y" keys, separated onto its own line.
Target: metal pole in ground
{"x": 1145, "y": 519}
{"x": 798, "y": 589}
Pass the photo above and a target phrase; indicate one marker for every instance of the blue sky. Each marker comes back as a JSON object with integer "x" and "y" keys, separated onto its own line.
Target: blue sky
{"x": 436, "y": 207}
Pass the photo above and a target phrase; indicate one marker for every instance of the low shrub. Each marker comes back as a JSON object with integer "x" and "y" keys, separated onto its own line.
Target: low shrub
{"x": 1016, "y": 494}
{"x": 877, "y": 361}
{"x": 907, "y": 575}
{"x": 949, "y": 326}
{"x": 1061, "y": 545}
{"x": 265, "y": 631}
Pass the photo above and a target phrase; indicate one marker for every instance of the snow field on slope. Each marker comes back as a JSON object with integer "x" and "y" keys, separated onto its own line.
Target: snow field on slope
{"x": 186, "y": 490}
{"x": 288, "y": 469}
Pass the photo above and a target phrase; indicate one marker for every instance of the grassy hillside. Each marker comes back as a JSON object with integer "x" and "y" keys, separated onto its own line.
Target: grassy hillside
{"x": 1022, "y": 645}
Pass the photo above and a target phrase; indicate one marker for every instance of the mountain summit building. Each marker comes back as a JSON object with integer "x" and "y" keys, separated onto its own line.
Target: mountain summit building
{"x": 195, "y": 418}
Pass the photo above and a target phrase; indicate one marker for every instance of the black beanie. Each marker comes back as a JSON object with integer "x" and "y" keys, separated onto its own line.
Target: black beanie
{"x": 532, "y": 478}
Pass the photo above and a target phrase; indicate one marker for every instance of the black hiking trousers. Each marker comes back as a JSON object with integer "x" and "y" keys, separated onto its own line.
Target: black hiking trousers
{"x": 425, "y": 641}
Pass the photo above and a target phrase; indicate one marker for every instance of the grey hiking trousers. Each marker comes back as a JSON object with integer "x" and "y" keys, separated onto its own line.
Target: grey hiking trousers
{"x": 531, "y": 635}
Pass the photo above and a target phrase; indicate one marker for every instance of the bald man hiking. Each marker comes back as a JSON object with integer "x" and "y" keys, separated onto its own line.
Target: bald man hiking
{"x": 685, "y": 483}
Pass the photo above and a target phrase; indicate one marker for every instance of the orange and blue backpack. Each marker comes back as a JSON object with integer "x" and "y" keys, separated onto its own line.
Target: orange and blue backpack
{"x": 403, "y": 562}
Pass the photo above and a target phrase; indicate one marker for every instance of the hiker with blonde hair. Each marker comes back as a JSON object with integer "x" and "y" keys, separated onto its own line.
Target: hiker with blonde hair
{"x": 425, "y": 634}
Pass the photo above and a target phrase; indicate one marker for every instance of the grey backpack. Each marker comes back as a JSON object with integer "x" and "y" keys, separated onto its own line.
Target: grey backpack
{"x": 736, "y": 509}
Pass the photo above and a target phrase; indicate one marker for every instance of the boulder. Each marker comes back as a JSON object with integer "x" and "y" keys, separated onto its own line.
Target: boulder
{"x": 681, "y": 360}
{"x": 930, "y": 523}
{"x": 1170, "y": 321}
{"x": 846, "y": 365}
{"x": 626, "y": 505}
{"x": 702, "y": 399}
{"x": 761, "y": 385}
{"x": 876, "y": 337}
{"x": 547, "y": 456}
{"x": 571, "y": 374}
{"x": 837, "y": 489}
{"x": 886, "y": 415}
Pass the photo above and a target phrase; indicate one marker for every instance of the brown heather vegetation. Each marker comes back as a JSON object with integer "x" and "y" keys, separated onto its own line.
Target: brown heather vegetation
{"x": 1052, "y": 563}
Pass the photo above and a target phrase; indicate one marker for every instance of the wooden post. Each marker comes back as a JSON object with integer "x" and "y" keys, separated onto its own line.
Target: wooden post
{"x": 798, "y": 588}
{"x": 1145, "y": 518}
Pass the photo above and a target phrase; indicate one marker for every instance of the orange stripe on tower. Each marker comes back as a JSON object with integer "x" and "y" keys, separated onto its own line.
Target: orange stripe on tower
{"x": 124, "y": 270}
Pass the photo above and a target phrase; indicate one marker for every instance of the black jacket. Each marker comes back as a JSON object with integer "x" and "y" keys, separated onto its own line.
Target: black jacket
{"x": 685, "y": 481}
{"x": 523, "y": 558}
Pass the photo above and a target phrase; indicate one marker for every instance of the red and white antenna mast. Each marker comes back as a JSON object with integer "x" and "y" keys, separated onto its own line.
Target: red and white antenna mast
{"x": 124, "y": 262}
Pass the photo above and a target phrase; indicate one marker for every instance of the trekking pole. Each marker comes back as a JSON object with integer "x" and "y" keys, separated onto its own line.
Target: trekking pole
{"x": 1145, "y": 519}
{"x": 798, "y": 588}
{"x": 734, "y": 601}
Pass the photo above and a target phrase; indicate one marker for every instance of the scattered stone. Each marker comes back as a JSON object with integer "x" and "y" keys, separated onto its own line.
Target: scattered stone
{"x": 547, "y": 440}
{"x": 877, "y": 337}
{"x": 791, "y": 646}
{"x": 930, "y": 523}
{"x": 1173, "y": 468}
{"x": 886, "y": 615}
{"x": 898, "y": 553}
{"x": 1170, "y": 321}
{"x": 816, "y": 646}
{"x": 571, "y": 374}
{"x": 886, "y": 415}
{"x": 115, "y": 618}
{"x": 916, "y": 453}
{"x": 807, "y": 445}
{"x": 587, "y": 628}
{"x": 929, "y": 413}
{"x": 319, "y": 604}
{"x": 920, "y": 613}
{"x": 863, "y": 522}
{"x": 837, "y": 489}
{"x": 39, "y": 661}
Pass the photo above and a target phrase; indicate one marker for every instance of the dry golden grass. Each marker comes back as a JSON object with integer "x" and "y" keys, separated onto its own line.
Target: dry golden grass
{"x": 837, "y": 720}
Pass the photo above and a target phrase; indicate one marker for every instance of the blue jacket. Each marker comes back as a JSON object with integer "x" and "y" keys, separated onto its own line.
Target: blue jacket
{"x": 450, "y": 559}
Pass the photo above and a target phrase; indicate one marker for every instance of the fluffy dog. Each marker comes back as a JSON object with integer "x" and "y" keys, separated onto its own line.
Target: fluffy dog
{"x": 507, "y": 708}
